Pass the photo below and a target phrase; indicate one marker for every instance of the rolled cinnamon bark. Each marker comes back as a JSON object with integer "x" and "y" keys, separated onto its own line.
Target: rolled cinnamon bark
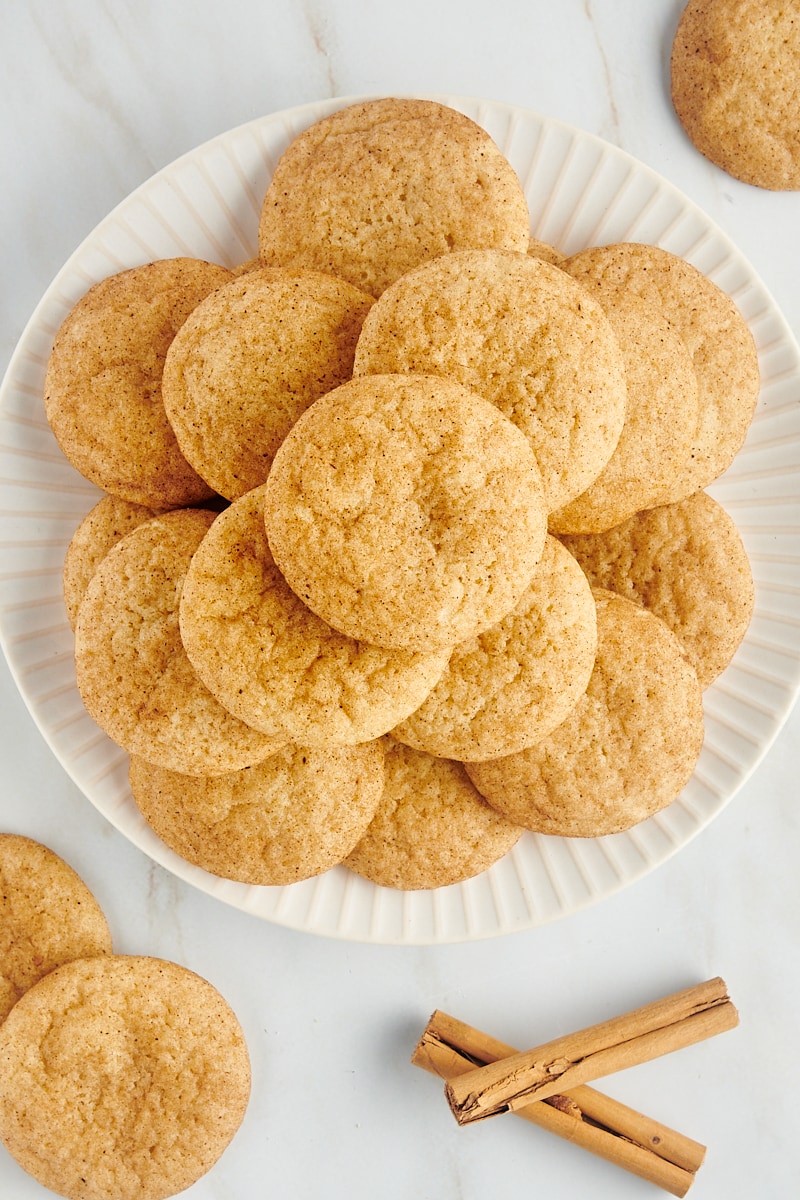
{"x": 603, "y": 1126}
{"x": 669, "y": 1024}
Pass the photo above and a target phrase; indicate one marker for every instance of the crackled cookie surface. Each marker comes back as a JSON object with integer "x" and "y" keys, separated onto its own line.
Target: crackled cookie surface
{"x": 662, "y": 413}
{"x": 627, "y": 748}
{"x": 101, "y": 528}
{"x": 293, "y": 816}
{"x": 249, "y": 360}
{"x": 406, "y": 511}
{"x": 735, "y": 76}
{"x": 132, "y": 670}
{"x": 687, "y": 563}
{"x": 432, "y": 828}
{"x": 103, "y": 394}
{"x": 523, "y": 334}
{"x": 272, "y": 661}
{"x": 121, "y": 1078}
{"x": 376, "y": 188}
{"x": 715, "y": 333}
{"x": 507, "y": 688}
{"x": 48, "y": 916}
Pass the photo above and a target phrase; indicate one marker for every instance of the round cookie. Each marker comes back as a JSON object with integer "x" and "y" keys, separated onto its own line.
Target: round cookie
{"x": 543, "y": 250}
{"x": 715, "y": 333}
{"x": 686, "y": 563}
{"x": 101, "y": 528}
{"x": 735, "y": 81}
{"x": 376, "y": 188}
{"x": 406, "y": 511}
{"x": 249, "y": 360}
{"x": 627, "y": 748}
{"x": 432, "y": 828}
{"x": 102, "y": 388}
{"x": 48, "y": 916}
{"x": 661, "y": 421}
{"x": 132, "y": 671}
{"x": 521, "y": 333}
{"x": 273, "y": 662}
{"x": 507, "y": 688}
{"x": 121, "y": 1078}
{"x": 293, "y": 816}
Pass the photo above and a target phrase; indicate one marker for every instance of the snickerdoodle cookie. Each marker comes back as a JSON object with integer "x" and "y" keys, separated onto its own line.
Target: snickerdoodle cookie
{"x": 687, "y": 563}
{"x": 103, "y": 384}
{"x": 735, "y": 75}
{"x": 627, "y": 748}
{"x": 48, "y": 916}
{"x": 376, "y": 188}
{"x": 715, "y": 333}
{"x": 661, "y": 420}
{"x": 523, "y": 334}
{"x": 293, "y": 816}
{"x": 102, "y": 527}
{"x": 272, "y": 661}
{"x": 432, "y": 828}
{"x": 121, "y": 1078}
{"x": 406, "y": 511}
{"x": 132, "y": 671}
{"x": 507, "y": 688}
{"x": 249, "y": 360}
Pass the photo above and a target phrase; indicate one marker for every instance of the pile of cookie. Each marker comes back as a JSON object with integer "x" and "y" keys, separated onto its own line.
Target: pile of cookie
{"x": 405, "y": 547}
{"x": 121, "y": 1075}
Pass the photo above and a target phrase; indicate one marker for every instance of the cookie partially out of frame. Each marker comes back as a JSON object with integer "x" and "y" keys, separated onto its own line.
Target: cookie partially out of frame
{"x": 249, "y": 360}
{"x": 735, "y": 79}
{"x": 102, "y": 391}
{"x": 293, "y": 816}
{"x": 624, "y": 752}
{"x": 406, "y": 511}
{"x": 273, "y": 662}
{"x": 507, "y": 688}
{"x": 376, "y": 188}
{"x": 685, "y": 562}
{"x": 121, "y": 1078}
{"x": 48, "y": 916}
{"x": 132, "y": 671}
{"x": 521, "y": 333}
{"x": 432, "y": 828}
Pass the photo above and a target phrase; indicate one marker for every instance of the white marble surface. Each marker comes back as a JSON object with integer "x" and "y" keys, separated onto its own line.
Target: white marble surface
{"x": 94, "y": 97}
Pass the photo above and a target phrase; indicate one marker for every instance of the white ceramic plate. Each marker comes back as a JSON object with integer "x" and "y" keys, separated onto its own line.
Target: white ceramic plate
{"x": 581, "y": 191}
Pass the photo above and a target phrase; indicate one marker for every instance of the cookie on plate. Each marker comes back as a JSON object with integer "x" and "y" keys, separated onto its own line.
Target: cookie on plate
{"x": 521, "y": 333}
{"x": 432, "y": 828}
{"x": 121, "y": 1078}
{"x": 371, "y": 191}
{"x": 715, "y": 333}
{"x": 293, "y": 816}
{"x": 539, "y": 249}
{"x": 249, "y": 360}
{"x": 101, "y": 528}
{"x": 507, "y": 688}
{"x": 48, "y": 916}
{"x": 272, "y": 661}
{"x": 132, "y": 671}
{"x": 735, "y": 78}
{"x": 661, "y": 420}
{"x": 687, "y": 563}
{"x": 406, "y": 511}
{"x": 102, "y": 389}
{"x": 625, "y": 751}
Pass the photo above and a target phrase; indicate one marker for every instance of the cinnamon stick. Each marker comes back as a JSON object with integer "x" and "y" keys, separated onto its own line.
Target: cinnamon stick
{"x": 515, "y": 1080}
{"x": 584, "y": 1116}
